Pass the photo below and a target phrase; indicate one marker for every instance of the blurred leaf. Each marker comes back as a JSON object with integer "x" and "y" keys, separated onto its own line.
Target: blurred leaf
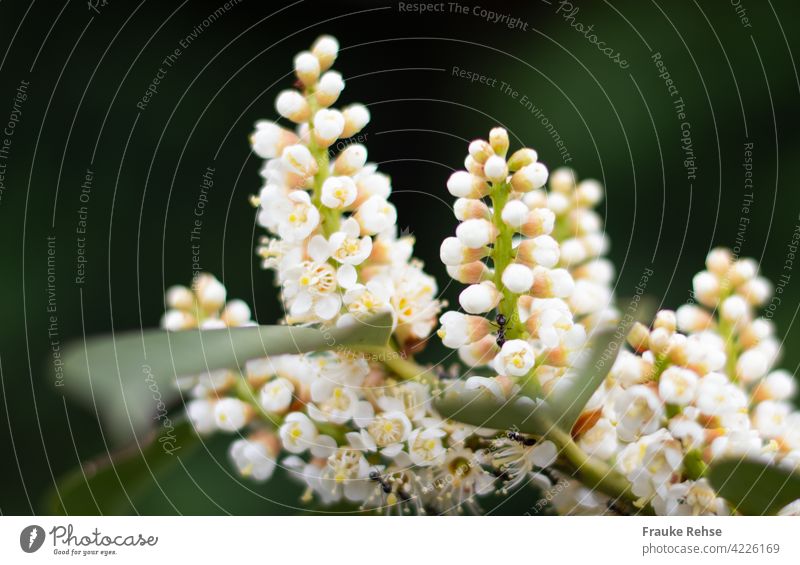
{"x": 108, "y": 485}
{"x": 753, "y": 487}
{"x": 127, "y": 379}
{"x": 573, "y": 391}
{"x": 483, "y": 409}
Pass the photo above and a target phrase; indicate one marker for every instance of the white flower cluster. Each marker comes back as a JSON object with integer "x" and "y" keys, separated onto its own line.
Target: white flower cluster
{"x": 531, "y": 258}
{"x": 697, "y": 386}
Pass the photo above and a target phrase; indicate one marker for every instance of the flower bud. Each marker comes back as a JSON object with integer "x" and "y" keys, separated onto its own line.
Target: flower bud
{"x": 752, "y": 365}
{"x": 542, "y": 250}
{"x": 307, "y": 68}
{"x": 329, "y": 88}
{"x": 479, "y": 352}
{"x": 548, "y": 283}
{"x": 298, "y": 159}
{"x": 719, "y": 260}
{"x": 459, "y": 329}
{"x": 515, "y": 213}
{"x": 517, "y": 278}
{"x": 562, "y": 180}
{"x": 639, "y": 337}
{"x": 476, "y": 233}
{"x": 201, "y": 414}
{"x": 453, "y": 252}
{"x": 210, "y": 293}
{"x": 473, "y": 167}
{"x": 462, "y": 184}
{"x": 540, "y": 221}
{"x": 236, "y": 313}
{"x": 495, "y": 169}
{"x": 706, "y": 288}
{"x": 338, "y": 192}
{"x": 742, "y": 271}
{"x": 293, "y": 106}
{"x": 180, "y": 297}
{"x": 734, "y": 309}
{"x": 276, "y": 396}
{"x": 522, "y": 158}
{"x": 498, "y": 139}
{"x": 666, "y": 319}
{"x": 470, "y": 273}
{"x": 269, "y": 139}
{"x": 589, "y": 193}
{"x": 231, "y": 414}
{"x": 325, "y": 49}
{"x": 328, "y": 126}
{"x": 479, "y": 298}
{"x": 470, "y": 208}
{"x": 356, "y": 118}
{"x": 480, "y": 150}
{"x": 375, "y": 215}
{"x": 529, "y": 177}
{"x": 516, "y": 358}
{"x": 756, "y": 291}
{"x": 351, "y": 160}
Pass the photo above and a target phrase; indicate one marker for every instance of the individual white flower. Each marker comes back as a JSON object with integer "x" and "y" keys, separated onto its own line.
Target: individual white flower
{"x": 629, "y": 369}
{"x": 770, "y": 418}
{"x": 479, "y": 298}
{"x": 691, "y": 498}
{"x": 517, "y": 278}
{"x": 298, "y": 218}
{"x": 706, "y": 288}
{"x": 453, "y": 252}
{"x": 542, "y": 251}
{"x": 269, "y": 139}
{"x": 347, "y": 247}
{"x": 778, "y": 385}
{"x": 389, "y": 430}
{"x": 293, "y": 106}
{"x": 351, "y": 160}
{"x": 328, "y": 126}
{"x": 739, "y": 443}
{"x": 752, "y": 365}
{"x": 347, "y": 473}
{"x": 231, "y": 414}
{"x": 328, "y": 89}
{"x": 734, "y": 309}
{"x": 475, "y": 233}
{"x": 549, "y": 283}
{"x": 529, "y": 177}
{"x": 639, "y": 412}
{"x": 462, "y": 184}
{"x": 495, "y": 169}
{"x": 515, "y": 213}
{"x": 333, "y": 403}
{"x": 201, "y": 414}
{"x": 485, "y": 383}
{"x": 325, "y": 49}
{"x": 310, "y": 288}
{"x": 516, "y": 358}
{"x": 677, "y": 385}
{"x": 459, "y": 329}
{"x": 716, "y": 396}
{"x": 376, "y": 215}
{"x": 425, "y": 447}
{"x": 356, "y": 118}
{"x": 298, "y": 433}
{"x": 372, "y": 298}
{"x": 307, "y": 67}
{"x": 252, "y": 459}
{"x": 518, "y": 459}
{"x": 276, "y": 395}
{"x": 658, "y": 456}
{"x": 600, "y": 440}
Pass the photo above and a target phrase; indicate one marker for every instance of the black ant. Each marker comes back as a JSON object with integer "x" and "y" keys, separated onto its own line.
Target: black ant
{"x": 376, "y": 476}
{"x": 518, "y": 437}
{"x": 501, "y": 331}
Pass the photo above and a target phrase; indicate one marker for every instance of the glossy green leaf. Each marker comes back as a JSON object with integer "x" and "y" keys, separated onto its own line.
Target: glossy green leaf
{"x": 753, "y": 487}
{"x": 481, "y": 408}
{"x": 128, "y": 379}
{"x": 109, "y": 485}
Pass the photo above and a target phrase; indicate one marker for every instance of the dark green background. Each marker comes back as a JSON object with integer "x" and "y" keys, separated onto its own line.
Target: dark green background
{"x": 739, "y": 84}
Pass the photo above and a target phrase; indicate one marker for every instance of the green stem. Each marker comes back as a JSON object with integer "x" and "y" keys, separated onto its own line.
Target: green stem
{"x": 329, "y": 219}
{"x": 502, "y": 255}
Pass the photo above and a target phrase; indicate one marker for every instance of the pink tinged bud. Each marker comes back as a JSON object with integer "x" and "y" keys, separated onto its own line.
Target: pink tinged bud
{"x": 529, "y": 177}
{"x": 293, "y": 106}
{"x": 307, "y": 68}
{"x": 659, "y": 340}
{"x": 480, "y": 352}
{"x": 495, "y": 169}
{"x": 479, "y": 298}
{"x": 558, "y": 202}
{"x": 517, "y": 278}
{"x": 666, "y": 319}
{"x": 742, "y": 271}
{"x": 752, "y": 365}
{"x": 498, "y": 139}
{"x": 535, "y": 199}
{"x": 351, "y": 160}
{"x": 562, "y": 180}
{"x": 572, "y": 252}
{"x": 549, "y": 283}
{"x": 734, "y": 309}
{"x": 540, "y": 221}
{"x": 522, "y": 158}
{"x": 473, "y": 167}
{"x": 270, "y": 139}
{"x": 600, "y": 271}
{"x": 458, "y": 329}
{"x": 589, "y": 193}
{"x": 480, "y": 150}
{"x": 719, "y": 260}
{"x": 542, "y": 251}
{"x": 470, "y": 273}
{"x": 515, "y": 214}
{"x": 693, "y": 319}
{"x": 356, "y": 118}
{"x": 476, "y": 233}
{"x": 756, "y": 291}
{"x": 462, "y": 184}
{"x": 470, "y": 208}
{"x": 180, "y": 297}
{"x": 328, "y": 126}
{"x": 453, "y": 252}
{"x": 329, "y": 88}
{"x": 706, "y": 288}
{"x": 325, "y": 49}
{"x": 639, "y": 337}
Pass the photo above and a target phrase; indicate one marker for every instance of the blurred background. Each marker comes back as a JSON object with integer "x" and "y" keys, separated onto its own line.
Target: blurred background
{"x": 98, "y": 194}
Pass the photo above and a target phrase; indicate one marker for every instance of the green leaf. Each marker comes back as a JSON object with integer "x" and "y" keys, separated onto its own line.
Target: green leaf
{"x": 753, "y": 487}
{"x": 129, "y": 378}
{"x": 108, "y": 485}
{"x": 481, "y": 408}
{"x": 573, "y": 391}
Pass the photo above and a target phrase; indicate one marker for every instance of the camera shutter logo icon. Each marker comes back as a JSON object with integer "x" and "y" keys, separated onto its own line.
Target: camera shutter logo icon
{"x": 31, "y": 538}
